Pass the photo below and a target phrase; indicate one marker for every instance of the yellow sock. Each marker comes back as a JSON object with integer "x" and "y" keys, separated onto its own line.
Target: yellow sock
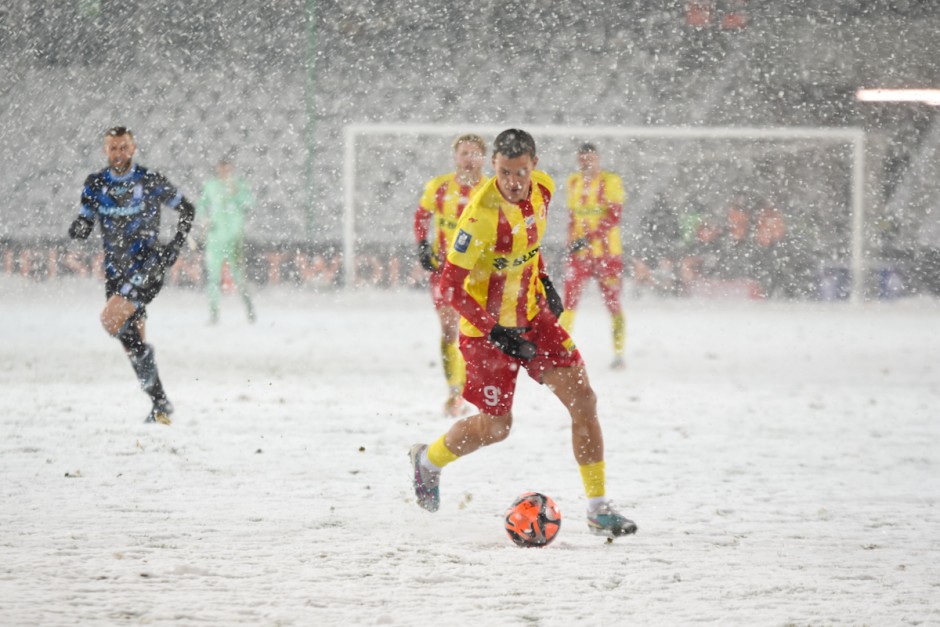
{"x": 594, "y": 479}
{"x": 446, "y": 360}
{"x": 619, "y": 326}
{"x": 439, "y": 454}
{"x": 567, "y": 320}
{"x": 454, "y": 367}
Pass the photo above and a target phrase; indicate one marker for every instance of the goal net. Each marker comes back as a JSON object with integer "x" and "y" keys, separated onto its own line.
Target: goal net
{"x": 679, "y": 183}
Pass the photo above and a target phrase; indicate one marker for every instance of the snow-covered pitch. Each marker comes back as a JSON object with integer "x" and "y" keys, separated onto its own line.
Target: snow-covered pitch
{"x": 781, "y": 460}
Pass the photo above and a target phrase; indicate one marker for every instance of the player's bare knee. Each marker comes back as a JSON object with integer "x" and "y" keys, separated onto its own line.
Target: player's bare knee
{"x": 577, "y": 395}
{"x": 496, "y": 428}
{"x": 582, "y": 401}
{"x": 587, "y": 399}
{"x": 110, "y": 322}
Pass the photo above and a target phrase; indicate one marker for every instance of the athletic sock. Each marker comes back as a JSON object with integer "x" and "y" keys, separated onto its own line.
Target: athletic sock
{"x": 142, "y": 360}
{"x": 437, "y": 455}
{"x": 619, "y": 327}
{"x": 452, "y": 360}
{"x": 594, "y": 479}
{"x": 129, "y": 337}
{"x": 460, "y": 366}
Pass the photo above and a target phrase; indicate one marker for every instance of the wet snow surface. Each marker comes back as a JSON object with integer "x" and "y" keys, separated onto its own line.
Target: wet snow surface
{"x": 781, "y": 461}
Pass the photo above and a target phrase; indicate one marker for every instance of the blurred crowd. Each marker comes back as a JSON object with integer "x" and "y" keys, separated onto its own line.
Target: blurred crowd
{"x": 744, "y": 246}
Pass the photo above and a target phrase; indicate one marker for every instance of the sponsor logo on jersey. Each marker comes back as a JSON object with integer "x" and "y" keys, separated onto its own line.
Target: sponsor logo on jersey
{"x": 122, "y": 198}
{"x": 501, "y": 263}
{"x": 116, "y": 212}
{"x": 592, "y": 211}
{"x": 462, "y": 241}
{"x": 447, "y": 224}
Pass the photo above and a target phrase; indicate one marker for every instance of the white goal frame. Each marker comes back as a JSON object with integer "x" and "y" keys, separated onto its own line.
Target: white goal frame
{"x": 854, "y": 137}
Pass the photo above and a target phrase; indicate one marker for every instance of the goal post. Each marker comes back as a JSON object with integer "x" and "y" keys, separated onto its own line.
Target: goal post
{"x": 399, "y": 148}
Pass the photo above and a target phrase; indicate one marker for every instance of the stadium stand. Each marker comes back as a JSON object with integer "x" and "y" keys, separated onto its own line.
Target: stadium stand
{"x": 198, "y": 80}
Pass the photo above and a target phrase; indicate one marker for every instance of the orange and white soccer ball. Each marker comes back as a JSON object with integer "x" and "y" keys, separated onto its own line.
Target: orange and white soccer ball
{"x": 533, "y": 519}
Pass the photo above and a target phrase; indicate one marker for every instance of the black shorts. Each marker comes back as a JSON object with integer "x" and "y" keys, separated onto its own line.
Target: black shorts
{"x": 140, "y": 295}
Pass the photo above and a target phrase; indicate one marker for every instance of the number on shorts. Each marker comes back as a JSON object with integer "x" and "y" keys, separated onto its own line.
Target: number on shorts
{"x": 491, "y": 395}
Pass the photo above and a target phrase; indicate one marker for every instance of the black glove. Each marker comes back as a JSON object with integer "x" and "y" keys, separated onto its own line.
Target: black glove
{"x": 509, "y": 340}
{"x": 555, "y": 304}
{"x": 81, "y": 228}
{"x": 578, "y": 245}
{"x": 167, "y": 255}
{"x": 425, "y": 256}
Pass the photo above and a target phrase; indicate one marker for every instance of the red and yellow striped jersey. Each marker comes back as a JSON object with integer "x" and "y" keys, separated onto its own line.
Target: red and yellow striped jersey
{"x": 442, "y": 202}
{"x": 498, "y": 242}
{"x": 595, "y": 208}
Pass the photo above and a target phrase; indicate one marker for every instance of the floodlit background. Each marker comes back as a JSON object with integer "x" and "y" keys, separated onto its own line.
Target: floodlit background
{"x": 774, "y": 434}
{"x": 276, "y": 85}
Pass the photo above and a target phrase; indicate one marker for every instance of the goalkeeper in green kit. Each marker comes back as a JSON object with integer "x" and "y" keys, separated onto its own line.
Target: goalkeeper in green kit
{"x": 225, "y": 200}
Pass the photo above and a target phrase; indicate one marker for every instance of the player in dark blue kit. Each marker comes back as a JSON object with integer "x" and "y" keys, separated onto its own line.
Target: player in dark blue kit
{"x": 125, "y": 200}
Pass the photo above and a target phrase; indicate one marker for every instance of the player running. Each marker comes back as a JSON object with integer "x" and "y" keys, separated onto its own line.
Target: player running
{"x": 495, "y": 278}
{"x": 125, "y": 200}
{"x": 225, "y": 200}
{"x": 595, "y": 202}
{"x": 442, "y": 203}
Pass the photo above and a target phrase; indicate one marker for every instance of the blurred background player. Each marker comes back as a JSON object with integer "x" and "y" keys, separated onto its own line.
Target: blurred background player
{"x": 495, "y": 277}
{"x": 595, "y": 203}
{"x": 125, "y": 200}
{"x": 225, "y": 200}
{"x": 441, "y": 204}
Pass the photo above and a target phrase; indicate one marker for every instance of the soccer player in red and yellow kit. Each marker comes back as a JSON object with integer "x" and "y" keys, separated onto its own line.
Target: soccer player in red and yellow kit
{"x": 442, "y": 203}
{"x": 595, "y": 202}
{"x": 495, "y": 278}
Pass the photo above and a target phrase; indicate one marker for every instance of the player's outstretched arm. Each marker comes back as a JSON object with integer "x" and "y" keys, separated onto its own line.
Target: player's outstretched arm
{"x": 452, "y": 281}
{"x": 171, "y": 251}
{"x": 83, "y": 225}
{"x": 609, "y": 221}
{"x": 507, "y": 339}
{"x": 422, "y": 225}
{"x": 187, "y": 213}
{"x": 151, "y": 271}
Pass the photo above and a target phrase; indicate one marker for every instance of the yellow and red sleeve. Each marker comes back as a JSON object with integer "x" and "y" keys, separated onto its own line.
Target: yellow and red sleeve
{"x": 422, "y": 223}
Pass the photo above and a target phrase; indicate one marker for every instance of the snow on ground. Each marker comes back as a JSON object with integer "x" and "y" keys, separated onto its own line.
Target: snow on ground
{"x": 781, "y": 460}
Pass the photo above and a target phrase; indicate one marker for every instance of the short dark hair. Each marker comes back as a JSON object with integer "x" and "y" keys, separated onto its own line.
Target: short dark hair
{"x": 118, "y": 131}
{"x": 514, "y": 143}
{"x": 586, "y": 147}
